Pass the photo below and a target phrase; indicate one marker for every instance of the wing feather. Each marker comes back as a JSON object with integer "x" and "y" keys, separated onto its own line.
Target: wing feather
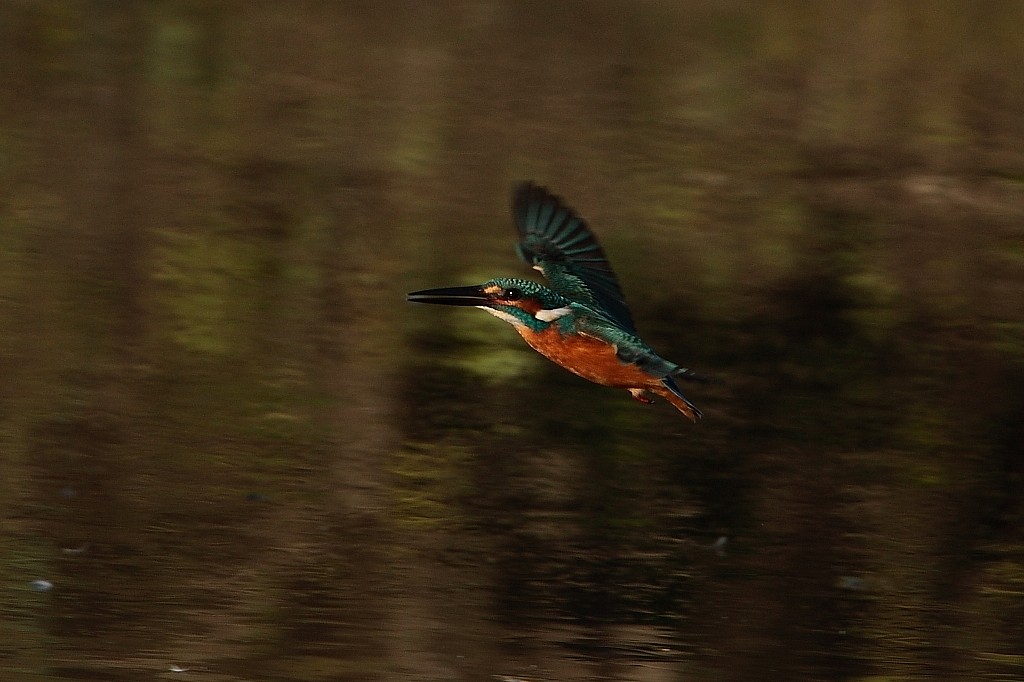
{"x": 558, "y": 242}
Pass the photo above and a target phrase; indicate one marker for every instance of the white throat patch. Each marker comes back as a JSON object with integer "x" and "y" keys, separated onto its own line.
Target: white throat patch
{"x": 553, "y": 314}
{"x": 502, "y": 315}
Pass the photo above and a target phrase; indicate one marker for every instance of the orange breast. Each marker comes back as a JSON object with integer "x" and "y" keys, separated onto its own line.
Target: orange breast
{"x": 589, "y": 358}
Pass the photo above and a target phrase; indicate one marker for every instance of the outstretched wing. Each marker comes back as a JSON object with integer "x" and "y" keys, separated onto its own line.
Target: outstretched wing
{"x": 556, "y": 241}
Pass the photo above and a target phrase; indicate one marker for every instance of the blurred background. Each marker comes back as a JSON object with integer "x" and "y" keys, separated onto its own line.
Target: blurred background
{"x": 229, "y": 450}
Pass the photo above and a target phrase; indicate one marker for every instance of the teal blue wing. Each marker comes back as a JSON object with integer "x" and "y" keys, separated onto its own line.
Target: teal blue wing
{"x": 629, "y": 348}
{"x": 556, "y": 241}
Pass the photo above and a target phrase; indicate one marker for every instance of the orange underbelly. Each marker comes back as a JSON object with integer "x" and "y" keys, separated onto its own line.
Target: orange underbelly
{"x": 587, "y": 357}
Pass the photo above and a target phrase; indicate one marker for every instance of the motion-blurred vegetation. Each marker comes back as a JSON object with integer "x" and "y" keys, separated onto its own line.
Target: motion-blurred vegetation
{"x": 224, "y": 438}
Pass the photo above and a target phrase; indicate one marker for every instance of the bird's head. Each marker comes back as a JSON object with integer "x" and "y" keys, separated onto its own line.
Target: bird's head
{"x": 519, "y": 302}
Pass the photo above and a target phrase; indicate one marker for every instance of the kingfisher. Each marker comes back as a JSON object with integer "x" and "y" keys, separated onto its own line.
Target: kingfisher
{"x": 581, "y": 321}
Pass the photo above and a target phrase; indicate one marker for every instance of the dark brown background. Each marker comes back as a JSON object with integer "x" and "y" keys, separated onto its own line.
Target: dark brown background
{"x": 231, "y": 446}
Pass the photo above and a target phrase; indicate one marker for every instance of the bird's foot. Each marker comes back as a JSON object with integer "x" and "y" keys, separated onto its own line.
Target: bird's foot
{"x": 640, "y": 395}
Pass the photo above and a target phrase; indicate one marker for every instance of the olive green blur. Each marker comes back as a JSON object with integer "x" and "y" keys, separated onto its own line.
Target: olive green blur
{"x": 230, "y": 445}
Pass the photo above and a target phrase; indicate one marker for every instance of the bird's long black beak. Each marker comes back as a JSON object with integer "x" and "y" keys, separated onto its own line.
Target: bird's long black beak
{"x": 472, "y": 295}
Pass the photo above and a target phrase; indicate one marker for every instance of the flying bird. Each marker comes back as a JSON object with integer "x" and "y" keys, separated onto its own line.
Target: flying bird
{"x": 581, "y": 320}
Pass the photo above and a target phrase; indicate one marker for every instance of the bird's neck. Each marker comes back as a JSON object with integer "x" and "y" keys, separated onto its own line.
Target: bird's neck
{"x": 535, "y": 322}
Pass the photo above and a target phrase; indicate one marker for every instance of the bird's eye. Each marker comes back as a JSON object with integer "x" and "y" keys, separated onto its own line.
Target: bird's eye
{"x": 512, "y": 294}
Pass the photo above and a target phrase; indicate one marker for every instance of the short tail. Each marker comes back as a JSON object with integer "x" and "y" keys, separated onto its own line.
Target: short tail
{"x": 672, "y": 394}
